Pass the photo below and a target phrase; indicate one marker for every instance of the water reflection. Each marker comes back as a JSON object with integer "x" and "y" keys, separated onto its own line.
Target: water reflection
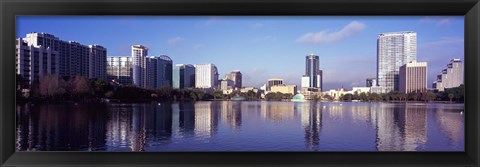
{"x": 230, "y": 125}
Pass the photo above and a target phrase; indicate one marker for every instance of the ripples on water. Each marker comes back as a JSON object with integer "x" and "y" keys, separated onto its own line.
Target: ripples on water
{"x": 241, "y": 126}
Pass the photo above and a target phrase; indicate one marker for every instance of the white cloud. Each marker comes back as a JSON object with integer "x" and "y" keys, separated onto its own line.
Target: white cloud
{"x": 444, "y": 42}
{"x": 325, "y": 36}
{"x": 439, "y": 20}
{"x": 258, "y": 25}
{"x": 198, "y": 46}
{"x": 211, "y": 20}
{"x": 175, "y": 40}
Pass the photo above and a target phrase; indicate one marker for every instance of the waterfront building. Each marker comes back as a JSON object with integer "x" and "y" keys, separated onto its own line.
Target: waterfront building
{"x": 183, "y": 76}
{"x": 32, "y": 62}
{"x": 291, "y": 89}
{"x": 394, "y": 50}
{"x": 163, "y": 71}
{"x": 226, "y": 84}
{"x": 206, "y": 76}
{"x": 119, "y": 69}
{"x": 139, "y": 65}
{"x": 413, "y": 77}
{"x": 312, "y": 70}
{"x": 305, "y": 81}
{"x": 74, "y": 59}
{"x": 450, "y": 77}
{"x": 360, "y": 90}
{"x": 158, "y": 72}
{"x": 337, "y": 93}
{"x": 371, "y": 82}
{"x": 273, "y": 82}
{"x": 236, "y": 77}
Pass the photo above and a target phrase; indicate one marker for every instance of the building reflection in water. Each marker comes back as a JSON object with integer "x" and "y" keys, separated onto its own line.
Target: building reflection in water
{"x": 206, "y": 120}
{"x": 231, "y": 113}
{"x": 451, "y": 123}
{"x": 279, "y": 111}
{"x": 138, "y": 124}
{"x": 400, "y": 127}
{"x": 60, "y": 128}
{"x": 154, "y": 127}
{"x": 311, "y": 120}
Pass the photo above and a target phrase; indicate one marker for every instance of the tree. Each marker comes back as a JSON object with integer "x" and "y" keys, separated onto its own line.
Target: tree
{"x": 347, "y": 97}
{"x": 80, "y": 86}
{"x": 363, "y": 96}
{"x": 218, "y": 94}
{"x": 451, "y": 96}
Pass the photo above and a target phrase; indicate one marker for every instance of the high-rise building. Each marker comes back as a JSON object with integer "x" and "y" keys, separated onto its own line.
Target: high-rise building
{"x": 236, "y": 77}
{"x": 119, "y": 69}
{"x": 312, "y": 70}
{"x": 450, "y": 77}
{"x": 97, "y": 62}
{"x": 32, "y": 62}
{"x": 394, "y": 50}
{"x": 163, "y": 71}
{"x": 371, "y": 82}
{"x": 139, "y": 65}
{"x": 74, "y": 59}
{"x": 183, "y": 76}
{"x": 273, "y": 82}
{"x": 226, "y": 84}
{"x": 206, "y": 76}
{"x": 305, "y": 81}
{"x": 413, "y": 77}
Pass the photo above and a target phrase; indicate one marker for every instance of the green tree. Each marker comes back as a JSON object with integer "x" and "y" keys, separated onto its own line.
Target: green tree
{"x": 347, "y": 97}
{"x": 451, "y": 96}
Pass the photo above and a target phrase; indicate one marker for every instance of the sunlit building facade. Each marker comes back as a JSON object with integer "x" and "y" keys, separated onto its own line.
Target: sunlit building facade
{"x": 450, "y": 77}
{"x": 413, "y": 77}
{"x": 119, "y": 69}
{"x": 394, "y": 50}
{"x": 206, "y": 76}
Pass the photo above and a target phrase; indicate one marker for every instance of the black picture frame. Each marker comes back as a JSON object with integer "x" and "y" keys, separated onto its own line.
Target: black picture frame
{"x": 9, "y": 9}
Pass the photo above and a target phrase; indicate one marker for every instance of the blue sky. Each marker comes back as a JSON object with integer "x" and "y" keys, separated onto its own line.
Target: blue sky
{"x": 263, "y": 47}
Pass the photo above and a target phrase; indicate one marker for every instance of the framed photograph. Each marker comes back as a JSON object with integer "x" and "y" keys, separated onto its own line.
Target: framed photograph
{"x": 211, "y": 83}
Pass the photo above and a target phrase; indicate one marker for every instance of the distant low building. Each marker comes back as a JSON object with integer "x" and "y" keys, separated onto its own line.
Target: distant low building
{"x": 360, "y": 90}
{"x": 337, "y": 93}
{"x": 292, "y": 89}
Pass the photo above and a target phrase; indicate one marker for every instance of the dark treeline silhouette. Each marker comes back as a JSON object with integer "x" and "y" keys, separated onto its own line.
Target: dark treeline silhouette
{"x": 450, "y": 94}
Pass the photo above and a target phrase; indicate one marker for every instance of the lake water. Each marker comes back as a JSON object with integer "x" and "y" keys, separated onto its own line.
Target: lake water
{"x": 241, "y": 126}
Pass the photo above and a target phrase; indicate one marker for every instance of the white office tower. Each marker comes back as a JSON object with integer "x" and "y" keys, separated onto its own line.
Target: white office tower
{"x": 139, "y": 65}
{"x": 394, "y": 50}
{"x": 206, "y": 76}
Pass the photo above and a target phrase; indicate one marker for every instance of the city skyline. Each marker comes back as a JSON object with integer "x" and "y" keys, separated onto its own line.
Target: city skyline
{"x": 259, "y": 49}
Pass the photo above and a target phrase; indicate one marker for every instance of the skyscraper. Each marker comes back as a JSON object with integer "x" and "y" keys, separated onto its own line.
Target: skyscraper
{"x": 451, "y": 76}
{"x": 32, "y": 62}
{"x": 97, "y": 62}
{"x": 236, "y": 77}
{"x": 119, "y": 69}
{"x": 394, "y": 50}
{"x": 206, "y": 76}
{"x": 74, "y": 59}
{"x": 413, "y": 77}
{"x": 163, "y": 71}
{"x": 183, "y": 76}
{"x": 139, "y": 56}
{"x": 313, "y": 72}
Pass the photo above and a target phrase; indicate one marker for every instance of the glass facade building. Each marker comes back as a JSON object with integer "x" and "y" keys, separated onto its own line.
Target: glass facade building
{"x": 183, "y": 76}
{"x": 394, "y": 50}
